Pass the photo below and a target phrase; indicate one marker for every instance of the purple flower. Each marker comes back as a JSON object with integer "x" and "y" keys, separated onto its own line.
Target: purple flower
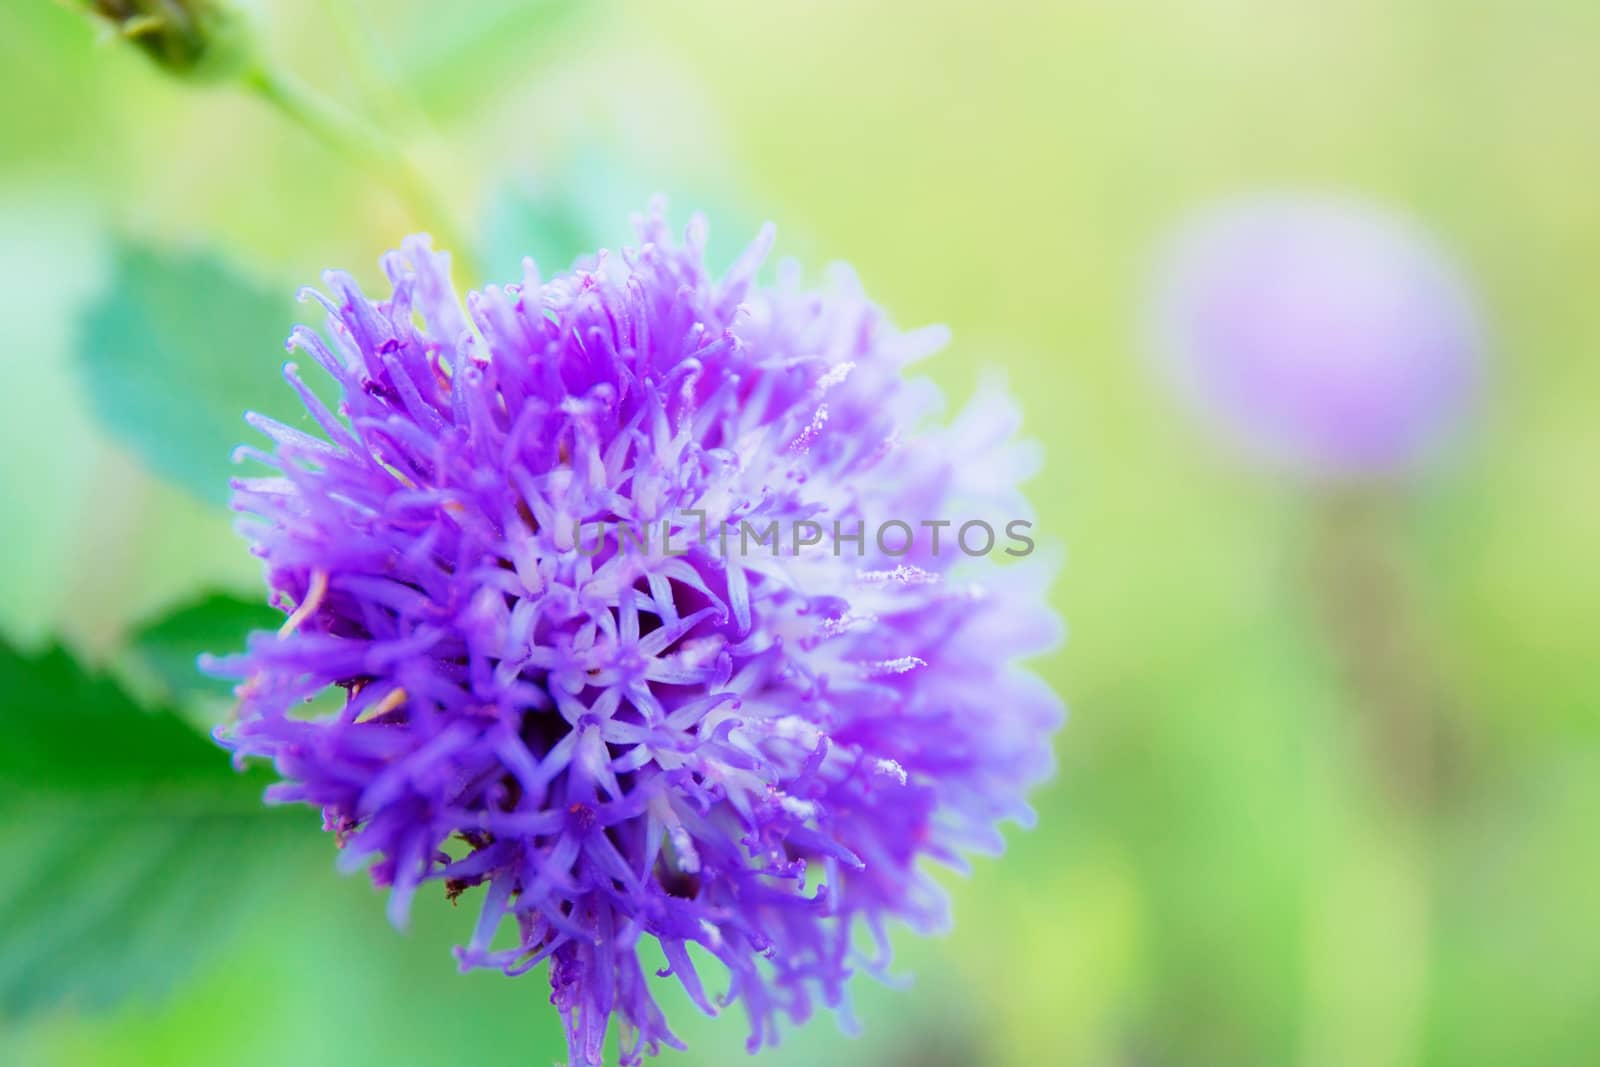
{"x": 745, "y": 752}
{"x": 1324, "y": 336}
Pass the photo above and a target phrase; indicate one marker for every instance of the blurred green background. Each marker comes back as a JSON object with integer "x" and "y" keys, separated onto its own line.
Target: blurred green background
{"x": 1223, "y": 873}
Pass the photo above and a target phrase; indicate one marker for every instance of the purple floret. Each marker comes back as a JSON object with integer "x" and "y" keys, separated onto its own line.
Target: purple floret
{"x": 744, "y": 752}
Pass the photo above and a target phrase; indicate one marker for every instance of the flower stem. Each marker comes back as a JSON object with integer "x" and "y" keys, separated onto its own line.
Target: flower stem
{"x": 1370, "y": 949}
{"x": 365, "y": 147}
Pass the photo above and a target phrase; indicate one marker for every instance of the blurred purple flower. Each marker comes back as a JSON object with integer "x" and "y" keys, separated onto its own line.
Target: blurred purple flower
{"x": 1325, "y": 336}
{"x": 748, "y": 754}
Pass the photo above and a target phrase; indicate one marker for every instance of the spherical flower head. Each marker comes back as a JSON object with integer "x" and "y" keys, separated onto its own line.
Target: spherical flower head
{"x": 711, "y": 751}
{"x": 1325, "y": 336}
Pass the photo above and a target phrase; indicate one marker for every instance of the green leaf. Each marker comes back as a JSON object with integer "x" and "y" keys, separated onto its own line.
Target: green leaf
{"x": 217, "y": 623}
{"x": 174, "y": 353}
{"x": 132, "y": 846}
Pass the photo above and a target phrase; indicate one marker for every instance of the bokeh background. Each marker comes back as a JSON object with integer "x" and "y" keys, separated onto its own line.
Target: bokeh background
{"x": 1228, "y": 869}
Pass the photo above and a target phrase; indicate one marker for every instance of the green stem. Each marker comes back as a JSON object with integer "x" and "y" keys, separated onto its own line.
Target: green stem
{"x": 364, "y": 147}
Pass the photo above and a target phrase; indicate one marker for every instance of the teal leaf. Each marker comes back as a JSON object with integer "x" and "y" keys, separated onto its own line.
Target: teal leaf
{"x": 583, "y": 208}
{"x": 589, "y": 203}
{"x": 450, "y": 65}
{"x": 173, "y": 354}
{"x": 132, "y": 846}
{"x": 216, "y": 623}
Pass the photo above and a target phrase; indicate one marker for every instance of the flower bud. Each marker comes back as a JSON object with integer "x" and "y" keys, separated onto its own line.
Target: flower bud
{"x": 198, "y": 40}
